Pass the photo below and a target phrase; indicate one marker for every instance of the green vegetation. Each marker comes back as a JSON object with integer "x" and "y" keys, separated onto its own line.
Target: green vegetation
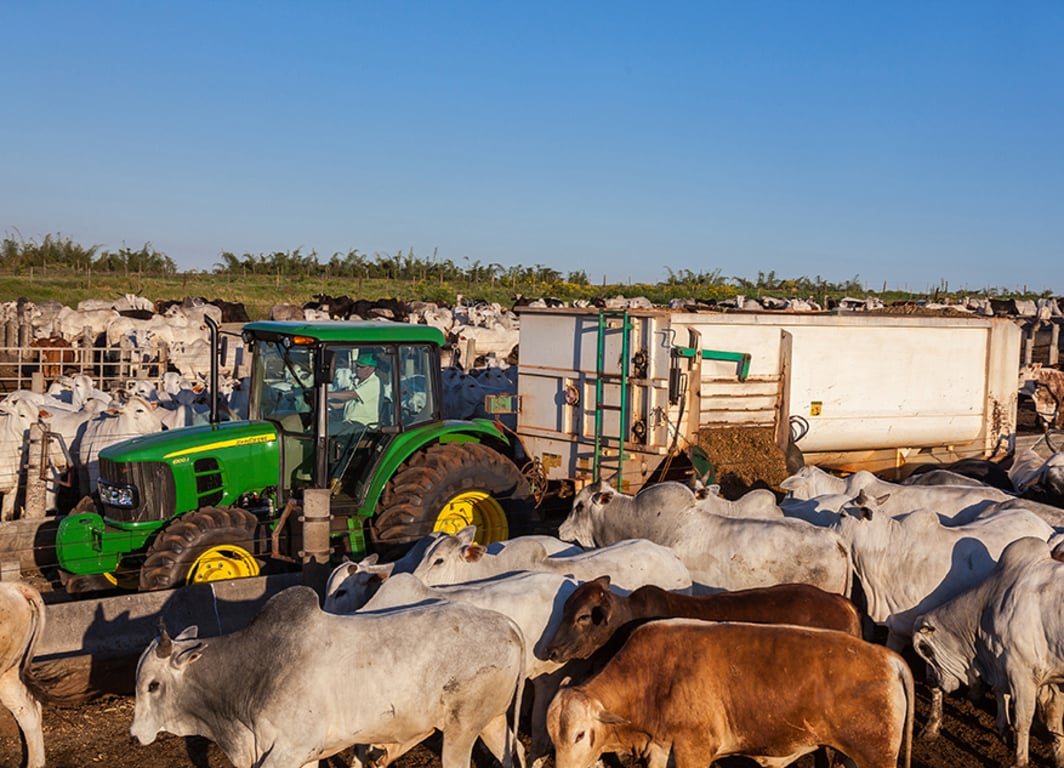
{"x": 58, "y": 269}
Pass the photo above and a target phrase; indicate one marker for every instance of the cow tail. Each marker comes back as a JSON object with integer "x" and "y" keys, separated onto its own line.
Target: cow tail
{"x": 519, "y": 690}
{"x": 906, "y": 676}
{"x": 26, "y": 673}
{"x": 44, "y": 688}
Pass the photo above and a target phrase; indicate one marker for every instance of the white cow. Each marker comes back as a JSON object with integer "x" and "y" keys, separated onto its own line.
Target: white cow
{"x": 15, "y": 421}
{"x": 72, "y": 323}
{"x": 1003, "y": 632}
{"x": 907, "y": 565}
{"x": 656, "y": 507}
{"x": 1021, "y": 650}
{"x": 720, "y": 552}
{"x": 758, "y": 503}
{"x": 120, "y": 422}
{"x": 532, "y": 599}
{"x": 335, "y": 681}
{"x": 945, "y": 637}
{"x": 21, "y": 626}
{"x": 959, "y": 504}
{"x": 351, "y": 585}
{"x": 1044, "y": 481}
{"x": 630, "y": 564}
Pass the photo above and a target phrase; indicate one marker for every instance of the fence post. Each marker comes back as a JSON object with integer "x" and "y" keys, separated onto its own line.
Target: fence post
{"x": 36, "y": 483}
{"x": 315, "y": 554}
{"x": 1054, "y": 345}
{"x": 11, "y": 333}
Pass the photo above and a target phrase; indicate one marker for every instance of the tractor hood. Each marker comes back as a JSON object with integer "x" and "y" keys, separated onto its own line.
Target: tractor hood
{"x": 192, "y": 441}
{"x": 157, "y": 476}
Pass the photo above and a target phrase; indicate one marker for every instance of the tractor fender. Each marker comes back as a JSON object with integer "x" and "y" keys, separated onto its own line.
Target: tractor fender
{"x": 412, "y": 440}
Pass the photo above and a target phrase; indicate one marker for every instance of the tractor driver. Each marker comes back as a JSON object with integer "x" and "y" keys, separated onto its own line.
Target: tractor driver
{"x": 361, "y": 402}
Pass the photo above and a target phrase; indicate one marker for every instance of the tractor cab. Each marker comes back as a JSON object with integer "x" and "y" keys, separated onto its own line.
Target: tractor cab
{"x": 350, "y": 398}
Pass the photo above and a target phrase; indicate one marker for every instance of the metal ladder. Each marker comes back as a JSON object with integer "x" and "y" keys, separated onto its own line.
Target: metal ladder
{"x": 601, "y": 378}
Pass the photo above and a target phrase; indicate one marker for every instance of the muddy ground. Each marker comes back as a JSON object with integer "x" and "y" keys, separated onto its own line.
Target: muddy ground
{"x": 96, "y": 733}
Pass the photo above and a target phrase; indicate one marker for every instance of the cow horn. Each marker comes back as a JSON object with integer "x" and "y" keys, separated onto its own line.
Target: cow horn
{"x": 165, "y": 646}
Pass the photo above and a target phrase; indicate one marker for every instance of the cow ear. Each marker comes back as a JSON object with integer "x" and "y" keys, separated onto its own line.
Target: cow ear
{"x": 188, "y": 655}
{"x": 474, "y": 552}
{"x": 607, "y": 717}
{"x": 603, "y": 497}
{"x": 603, "y": 582}
{"x": 369, "y": 559}
{"x": 188, "y": 633}
{"x": 467, "y": 534}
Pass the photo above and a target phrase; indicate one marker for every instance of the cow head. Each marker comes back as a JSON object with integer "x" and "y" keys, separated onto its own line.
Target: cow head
{"x": 579, "y": 526}
{"x": 160, "y": 672}
{"x": 582, "y": 729}
{"x": 587, "y": 622}
{"x": 445, "y": 557}
{"x": 865, "y": 506}
{"x": 351, "y": 585}
{"x": 947, "y": 661}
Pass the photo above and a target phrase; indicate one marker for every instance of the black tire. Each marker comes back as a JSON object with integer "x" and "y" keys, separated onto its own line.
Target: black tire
{"x": 414, "y": 501}
{"x": 232, "y": 533}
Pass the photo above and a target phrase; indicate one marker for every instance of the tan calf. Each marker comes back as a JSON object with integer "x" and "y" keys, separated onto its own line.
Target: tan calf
{"x": 703, "y": 691}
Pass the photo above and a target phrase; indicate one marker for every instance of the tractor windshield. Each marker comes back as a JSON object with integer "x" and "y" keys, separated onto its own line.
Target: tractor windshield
{"x": 283, "y": 381}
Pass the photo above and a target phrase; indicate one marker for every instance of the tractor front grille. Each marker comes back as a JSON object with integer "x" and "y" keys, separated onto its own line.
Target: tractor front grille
{"x": 156, "y": 497}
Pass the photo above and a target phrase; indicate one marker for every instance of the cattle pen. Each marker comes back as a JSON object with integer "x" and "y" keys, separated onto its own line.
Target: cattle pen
{"x": 607, "y": 395}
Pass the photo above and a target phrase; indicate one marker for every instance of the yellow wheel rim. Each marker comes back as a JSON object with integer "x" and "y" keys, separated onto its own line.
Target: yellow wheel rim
{"x": 474, "y": 508}
{"x": 122, "y": 579}
{"x": 221, "y": 563}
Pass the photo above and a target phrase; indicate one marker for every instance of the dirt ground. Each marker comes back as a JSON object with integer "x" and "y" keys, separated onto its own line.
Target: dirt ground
{"x": 97, "y": 733}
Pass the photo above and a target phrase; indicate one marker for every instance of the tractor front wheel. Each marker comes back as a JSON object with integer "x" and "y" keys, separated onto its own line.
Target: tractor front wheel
{"x": 209, "y": 544}
{"x": 447, "y": 487}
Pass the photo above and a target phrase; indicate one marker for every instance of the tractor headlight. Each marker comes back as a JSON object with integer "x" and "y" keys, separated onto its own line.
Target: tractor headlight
{"x": 117, "y": 495}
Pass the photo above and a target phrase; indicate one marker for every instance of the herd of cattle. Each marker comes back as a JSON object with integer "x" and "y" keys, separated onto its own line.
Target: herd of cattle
{"x": 167, "y": 350}
{"x": 672, "y": 625}
{"x": 759, "y": 649}
{"x": 171, "y": 350}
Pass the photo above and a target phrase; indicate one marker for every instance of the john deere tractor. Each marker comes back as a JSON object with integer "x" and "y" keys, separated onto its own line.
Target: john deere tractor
{"x": 209, "y": 502}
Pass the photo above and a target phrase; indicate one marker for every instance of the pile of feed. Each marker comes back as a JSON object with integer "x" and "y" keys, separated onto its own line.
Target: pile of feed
{"x": 744, "y": 458}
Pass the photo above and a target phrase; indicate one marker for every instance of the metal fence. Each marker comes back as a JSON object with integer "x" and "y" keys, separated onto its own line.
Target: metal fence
{"x": 35, "y": 368}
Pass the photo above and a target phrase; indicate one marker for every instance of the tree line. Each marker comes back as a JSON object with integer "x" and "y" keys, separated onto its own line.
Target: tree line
{"x": 56, "y": 252}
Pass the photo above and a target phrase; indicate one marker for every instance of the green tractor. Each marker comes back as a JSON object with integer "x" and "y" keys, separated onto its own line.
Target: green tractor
{"x": 207, "y": 503}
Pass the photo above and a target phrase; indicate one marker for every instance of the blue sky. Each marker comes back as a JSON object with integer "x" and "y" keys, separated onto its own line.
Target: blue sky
{"x": 904, "y": 142}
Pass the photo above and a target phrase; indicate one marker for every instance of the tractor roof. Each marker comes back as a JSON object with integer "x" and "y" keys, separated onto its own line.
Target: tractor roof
{"x": 355, "y": 331}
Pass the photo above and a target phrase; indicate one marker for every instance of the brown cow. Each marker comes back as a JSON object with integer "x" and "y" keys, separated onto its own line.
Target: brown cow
{"x": 55, "y": 354}
{"x": 701, "y": 691}
{"x": 593, "y": 613}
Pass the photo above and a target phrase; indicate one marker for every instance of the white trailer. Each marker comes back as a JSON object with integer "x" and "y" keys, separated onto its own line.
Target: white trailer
{"x": 625, "y": 392}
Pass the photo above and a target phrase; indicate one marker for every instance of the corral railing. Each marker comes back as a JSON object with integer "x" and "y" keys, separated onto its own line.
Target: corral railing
{"x": 35, "y": 368}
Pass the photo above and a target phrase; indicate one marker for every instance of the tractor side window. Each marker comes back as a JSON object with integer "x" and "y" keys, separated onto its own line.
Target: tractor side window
{"x": 360, "y": 393}
{"x": 416, "y": 397}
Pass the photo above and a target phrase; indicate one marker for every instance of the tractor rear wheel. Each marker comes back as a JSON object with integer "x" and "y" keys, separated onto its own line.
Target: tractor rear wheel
{"x": 446, "y": 487}
{"x": 209, "y": 544}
